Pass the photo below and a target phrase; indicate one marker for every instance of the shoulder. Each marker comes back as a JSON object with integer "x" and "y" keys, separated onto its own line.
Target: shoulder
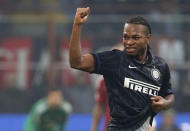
{"x": 102, "y": 82}
{"x": 99, "y": 81}
{"x": 41, "y": 106}
{"x": 117, "y": 52}
{"x": 106, "y": 61}
{"x": 40, "y": 102}
{"x": 101, "y": 88}
{"x": 113, "y": 55}
{"x": 108, "y": 53}
{"x": 159, "y": 61}
{"x": 66, "y": 106}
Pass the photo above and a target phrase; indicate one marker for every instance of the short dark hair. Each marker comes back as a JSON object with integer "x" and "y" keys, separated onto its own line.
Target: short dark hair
{"x": 53, "y": 89}
{"x": 139, "y": 20}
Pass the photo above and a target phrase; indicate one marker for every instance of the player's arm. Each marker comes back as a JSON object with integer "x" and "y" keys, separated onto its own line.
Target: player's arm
{"x": 98, "y": 112}
{"x": 31, "y": 121}
{"x": 77, "y": 61}
{"x": 159, "y": 103}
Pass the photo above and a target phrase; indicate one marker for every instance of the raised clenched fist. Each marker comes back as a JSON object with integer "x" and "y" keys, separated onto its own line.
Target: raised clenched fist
{"x": 81, "y": 15}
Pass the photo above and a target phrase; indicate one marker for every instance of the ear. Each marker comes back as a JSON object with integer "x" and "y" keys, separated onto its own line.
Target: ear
{"x": 148, "y": 38}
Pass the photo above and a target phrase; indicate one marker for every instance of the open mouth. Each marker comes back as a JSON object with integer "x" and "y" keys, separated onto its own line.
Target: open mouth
{"x": 131, "y": 49}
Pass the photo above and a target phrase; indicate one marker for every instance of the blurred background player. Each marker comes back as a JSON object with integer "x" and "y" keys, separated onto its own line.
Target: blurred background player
{"x": 101, "y": 107}
{"x": 49, "y": 114}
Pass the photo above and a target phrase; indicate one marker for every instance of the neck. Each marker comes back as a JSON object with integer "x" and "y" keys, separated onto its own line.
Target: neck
{"x": 142, "y": 57}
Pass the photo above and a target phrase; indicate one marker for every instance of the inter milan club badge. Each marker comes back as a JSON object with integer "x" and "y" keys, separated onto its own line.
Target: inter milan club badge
{"x": 155, "y": 74}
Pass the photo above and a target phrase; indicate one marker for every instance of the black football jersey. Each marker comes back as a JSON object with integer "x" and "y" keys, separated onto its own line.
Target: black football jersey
{"x": 130, "y": 84}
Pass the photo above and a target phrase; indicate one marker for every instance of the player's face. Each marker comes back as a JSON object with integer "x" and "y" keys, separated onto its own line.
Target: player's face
{"x": 54, "y": 99}
{"x": 135, "y": 39}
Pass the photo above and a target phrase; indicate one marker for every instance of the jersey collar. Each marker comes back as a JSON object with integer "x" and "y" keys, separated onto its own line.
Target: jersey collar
{"x": 150, "y": 58}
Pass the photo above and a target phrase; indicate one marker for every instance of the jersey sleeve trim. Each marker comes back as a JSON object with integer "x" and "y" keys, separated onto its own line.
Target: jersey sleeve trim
{"x": 97, "y": 62}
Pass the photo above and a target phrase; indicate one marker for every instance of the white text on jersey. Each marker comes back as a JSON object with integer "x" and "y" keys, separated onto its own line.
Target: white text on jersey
{"x": 142, "y": 87}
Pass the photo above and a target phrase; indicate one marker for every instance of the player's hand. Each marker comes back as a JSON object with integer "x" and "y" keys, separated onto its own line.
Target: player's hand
{"x": 81, "y": 15}
{"x": 158, "y": 103}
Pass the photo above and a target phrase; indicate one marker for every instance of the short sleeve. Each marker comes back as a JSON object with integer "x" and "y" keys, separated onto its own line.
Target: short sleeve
{"x": 167, "y": 88}
{"x": 106, "y": 62}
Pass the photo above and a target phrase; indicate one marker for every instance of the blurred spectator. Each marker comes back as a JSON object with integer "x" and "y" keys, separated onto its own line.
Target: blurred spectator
{"x": 173, "y": 51}
{"x": 12, "y": 98}
{"x": 49, "y": 114}
{"x": 6, "y": 6}
{"x": 72, "y": 77}
{"x": 169, "y": 16}
{"x": 183, "y": 99}
{"x": 169, "y": 121}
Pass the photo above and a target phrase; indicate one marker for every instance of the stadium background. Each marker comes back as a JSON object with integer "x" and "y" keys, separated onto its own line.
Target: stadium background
{"x": 34, "y": 37}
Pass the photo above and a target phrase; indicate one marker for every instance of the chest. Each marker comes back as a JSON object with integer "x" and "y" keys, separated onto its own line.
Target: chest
{"x": 146, "y": 79}
{"x": 49, "y": 115}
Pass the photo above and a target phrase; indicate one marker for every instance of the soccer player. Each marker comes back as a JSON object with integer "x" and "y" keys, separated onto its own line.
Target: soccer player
{"x": 137, "y": 82}
{"x": 101, "y": 106}
{"x": 49, "y": 114}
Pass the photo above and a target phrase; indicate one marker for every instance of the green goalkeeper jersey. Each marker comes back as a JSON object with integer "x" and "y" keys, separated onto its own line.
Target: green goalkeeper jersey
{"x": 42, "y": 118}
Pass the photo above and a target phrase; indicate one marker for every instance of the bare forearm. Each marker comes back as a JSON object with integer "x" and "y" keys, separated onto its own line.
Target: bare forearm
{"x": 159, "y": 103}
{"x": 77, "y": 61}
{"x": 75, "y": 46}
{"x": 98, "y": 113}
{"x": 169, "y": 101}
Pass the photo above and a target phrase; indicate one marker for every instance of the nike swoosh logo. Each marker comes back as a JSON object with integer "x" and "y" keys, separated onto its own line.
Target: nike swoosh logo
{"x": 132, "y": 67}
